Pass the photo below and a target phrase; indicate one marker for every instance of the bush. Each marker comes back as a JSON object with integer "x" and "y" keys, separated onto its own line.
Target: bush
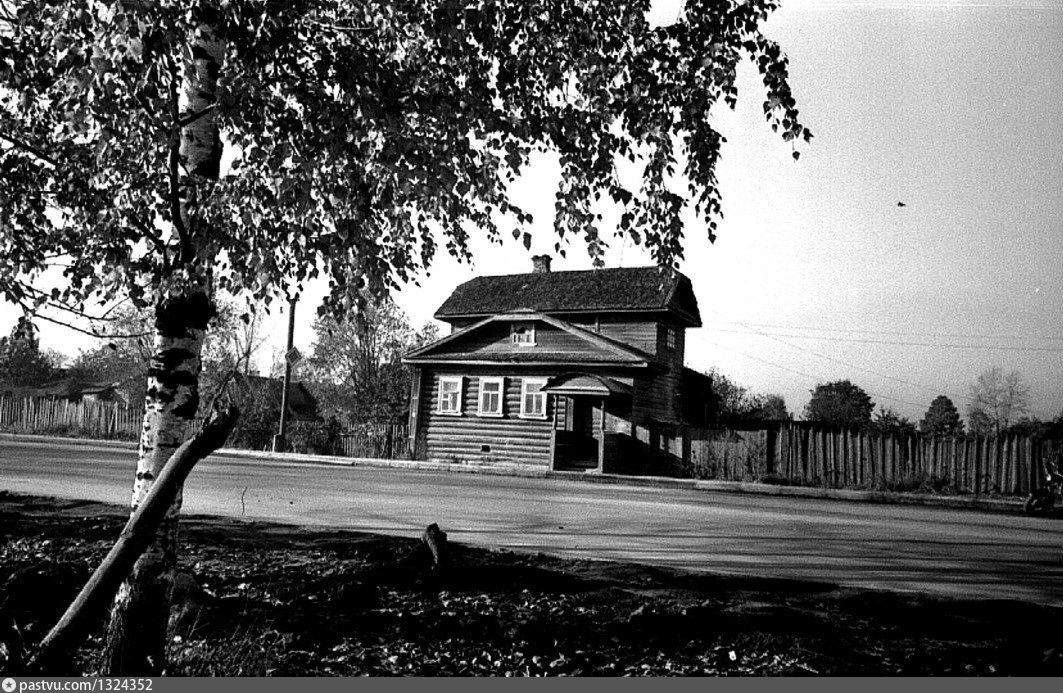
{"x": 918, "y": 482}
{"x": 314, "y": 438}
{"x": 776, "y": 479}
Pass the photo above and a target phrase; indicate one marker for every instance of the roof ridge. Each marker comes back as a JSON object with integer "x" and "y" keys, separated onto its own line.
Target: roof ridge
{"x": 593, "y": 270}
{"x": 615, "y": 289}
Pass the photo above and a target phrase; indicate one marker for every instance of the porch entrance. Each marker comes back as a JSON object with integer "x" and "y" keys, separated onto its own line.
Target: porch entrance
{"x": 583, "y": 404}
{"x": 575, "y": 442}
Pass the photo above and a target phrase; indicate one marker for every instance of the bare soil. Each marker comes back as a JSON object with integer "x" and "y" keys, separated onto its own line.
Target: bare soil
{"x": 257, "y": 598}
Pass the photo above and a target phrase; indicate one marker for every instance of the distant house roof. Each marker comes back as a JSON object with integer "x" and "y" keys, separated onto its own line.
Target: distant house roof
{"x": 617, "y": 290}
{"x": 301, "y": 404}
{"x": 66, "y": 388}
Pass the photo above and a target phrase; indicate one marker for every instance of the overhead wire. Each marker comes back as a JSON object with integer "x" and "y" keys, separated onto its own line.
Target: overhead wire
{"x": 936, "y": 391}
{"x": 987, "y": 347}
{"x": 877, "y": 395}
{"x": 946, "y": 335}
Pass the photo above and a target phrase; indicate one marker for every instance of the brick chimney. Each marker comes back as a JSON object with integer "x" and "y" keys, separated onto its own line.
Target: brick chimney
{"x": 540, "y": 264}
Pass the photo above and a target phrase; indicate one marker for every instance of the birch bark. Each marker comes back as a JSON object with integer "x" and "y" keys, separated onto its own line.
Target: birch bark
{"x": 136, "y": 635}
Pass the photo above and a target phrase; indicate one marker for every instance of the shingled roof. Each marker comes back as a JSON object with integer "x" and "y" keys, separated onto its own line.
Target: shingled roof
{"x": 617, "y": 290}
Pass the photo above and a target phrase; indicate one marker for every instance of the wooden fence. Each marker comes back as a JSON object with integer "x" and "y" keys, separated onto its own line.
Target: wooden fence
{"x": 806, "y": 455}
{"x": 109, "y": 420}
{"x": 119, "y": 421}
{"x": 384, "y": 441}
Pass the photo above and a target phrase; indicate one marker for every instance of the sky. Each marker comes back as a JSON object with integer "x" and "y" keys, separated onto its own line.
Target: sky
{"x": 817, "y": 274}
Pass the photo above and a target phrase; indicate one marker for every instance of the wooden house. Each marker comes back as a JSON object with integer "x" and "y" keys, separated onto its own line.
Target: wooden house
{"x": 568, "y": 370}
{"x": 70, "y": 389}
{"x": 267, "y": 393}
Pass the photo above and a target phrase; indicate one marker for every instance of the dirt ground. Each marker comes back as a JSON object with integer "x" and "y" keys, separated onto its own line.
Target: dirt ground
{"x": 256, "y": 598}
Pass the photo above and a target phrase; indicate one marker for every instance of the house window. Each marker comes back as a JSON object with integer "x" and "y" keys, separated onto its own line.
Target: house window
{"x": 450, "y": 395}
{"x": 532, "y": 399}
{"x": 491, "y": 390}
{"x": 671, "y": 336}
{"x": 523, "y": 334}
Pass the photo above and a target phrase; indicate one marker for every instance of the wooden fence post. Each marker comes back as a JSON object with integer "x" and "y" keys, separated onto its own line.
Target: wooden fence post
{"x": 1026, "y": 472}
{"x": 865, "y": 460}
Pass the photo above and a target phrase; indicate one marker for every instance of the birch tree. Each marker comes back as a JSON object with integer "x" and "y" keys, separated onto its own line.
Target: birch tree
{"x": 162, "y": 151}
{"x": 997, "y": 400}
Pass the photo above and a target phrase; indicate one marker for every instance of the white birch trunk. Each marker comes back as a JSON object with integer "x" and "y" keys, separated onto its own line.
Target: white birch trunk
{"x": 136, "y": 636}
{"x": 200, "y": 141}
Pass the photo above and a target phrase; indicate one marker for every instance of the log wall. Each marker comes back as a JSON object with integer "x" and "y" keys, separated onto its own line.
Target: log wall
{"x": 470, "y": 437}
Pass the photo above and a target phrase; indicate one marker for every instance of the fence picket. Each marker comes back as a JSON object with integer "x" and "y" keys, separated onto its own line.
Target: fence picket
{"x": 1008, "y": 464}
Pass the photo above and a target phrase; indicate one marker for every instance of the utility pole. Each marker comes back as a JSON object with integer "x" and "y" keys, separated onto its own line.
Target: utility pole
{"x": 291, "y": 355}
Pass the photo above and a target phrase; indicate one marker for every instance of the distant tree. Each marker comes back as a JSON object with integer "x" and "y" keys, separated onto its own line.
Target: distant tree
{"x": 737, "y": 404}
{"x": 979, "y": 423}
{"x": 356, "y": 369}
{"x": 997, "y": 400}
{"x": 772, "y": 408}
{"x": 941, "y": 418}
{"x": 1030, "y": 426}
{"x": 122, "y": 356}
{"x": 888, "y": 422}
{"x": 840, "y": 403}
{"x": 234, "y": 339}
{"x": 732, "y": 398}
{"x": 22, "y": 363}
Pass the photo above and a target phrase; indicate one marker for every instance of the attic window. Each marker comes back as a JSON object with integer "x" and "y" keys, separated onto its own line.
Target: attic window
{"x": 670, "y": 336}
{"x": 522, "y": 334}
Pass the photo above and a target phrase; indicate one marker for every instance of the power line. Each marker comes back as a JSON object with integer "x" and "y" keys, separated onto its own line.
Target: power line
{"x": 877, "y": 395}
{"x": 944, "y": 335}
{"x": 852, "y": 365}
{"x": 988, "y": 347}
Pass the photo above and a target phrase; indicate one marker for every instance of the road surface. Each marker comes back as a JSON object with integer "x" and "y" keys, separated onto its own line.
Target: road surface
{"x": 960, "y": 553}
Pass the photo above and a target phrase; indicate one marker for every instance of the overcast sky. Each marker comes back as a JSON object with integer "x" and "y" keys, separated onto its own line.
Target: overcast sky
{"x": 952, "y": 108}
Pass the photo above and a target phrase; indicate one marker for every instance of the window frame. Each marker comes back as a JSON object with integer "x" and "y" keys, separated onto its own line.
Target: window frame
{"x": 501, "y": 394}
{"x": 671, "y": 338}
{"x": 444, "y": 380}
{"x": 524, "y": 394}
{"x": 522, "y": 328}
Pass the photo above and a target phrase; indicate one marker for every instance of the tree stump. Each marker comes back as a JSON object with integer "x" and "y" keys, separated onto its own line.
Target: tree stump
{"x": 436, "y": 541}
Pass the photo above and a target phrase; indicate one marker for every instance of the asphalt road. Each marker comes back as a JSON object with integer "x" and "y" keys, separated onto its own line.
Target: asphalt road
{"x": 961, "y": 553}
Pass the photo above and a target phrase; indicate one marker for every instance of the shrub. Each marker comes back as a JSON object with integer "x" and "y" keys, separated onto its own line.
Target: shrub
{"x": 917, "y": 482}
{"x": 314, "y": 438}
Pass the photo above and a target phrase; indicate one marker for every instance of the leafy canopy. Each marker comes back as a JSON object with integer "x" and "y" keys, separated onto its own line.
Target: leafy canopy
{"x": 840, "y": 403}
{"x": 941, "y": 418}
{"x": 889, "y": 422}
{"x": 356, "y": 368}
{"x": 358, "y": 137}
{"x": 739, "y": 405}
{"x": 22, "y": 363}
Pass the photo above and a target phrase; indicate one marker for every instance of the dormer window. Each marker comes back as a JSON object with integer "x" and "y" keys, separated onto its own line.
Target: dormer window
{"x": 522, "y": 334}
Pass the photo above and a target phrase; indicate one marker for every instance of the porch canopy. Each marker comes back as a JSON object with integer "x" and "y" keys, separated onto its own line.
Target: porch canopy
{"x": 575, "y": 384}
